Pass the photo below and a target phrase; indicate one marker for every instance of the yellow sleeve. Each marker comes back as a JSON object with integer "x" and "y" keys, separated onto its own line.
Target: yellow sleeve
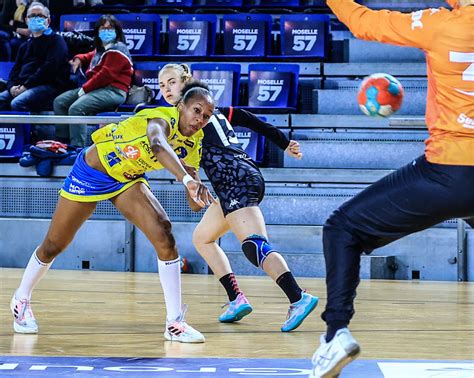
{"x": 415, "y": 29}
{"x": 194, "y": 157}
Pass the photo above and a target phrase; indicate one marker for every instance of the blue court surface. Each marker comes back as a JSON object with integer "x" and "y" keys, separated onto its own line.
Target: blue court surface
{"x": 221, "y": 367}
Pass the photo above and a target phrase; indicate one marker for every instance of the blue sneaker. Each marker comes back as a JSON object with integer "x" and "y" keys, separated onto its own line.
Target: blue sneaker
{"x": 238, "y": 308}
{"x": 299, "y": 311}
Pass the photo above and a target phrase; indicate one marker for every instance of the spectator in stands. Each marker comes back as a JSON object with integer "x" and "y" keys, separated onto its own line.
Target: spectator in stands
{"x": 13, "y": 29}
{"x": 240, "y": 188}
{"x": 40, "y": 71}
{"x": 82, "y": 3}
{"x": 113, "y": 168}
{"x": 433, "y": 188}
{"x": 108, "y": 76}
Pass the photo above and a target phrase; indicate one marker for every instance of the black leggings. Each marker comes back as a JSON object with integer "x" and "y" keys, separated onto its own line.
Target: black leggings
{"x": 413, "y": 198}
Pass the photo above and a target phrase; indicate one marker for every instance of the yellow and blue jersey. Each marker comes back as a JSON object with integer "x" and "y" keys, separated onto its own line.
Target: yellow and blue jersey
{"x": 124, "y": 149}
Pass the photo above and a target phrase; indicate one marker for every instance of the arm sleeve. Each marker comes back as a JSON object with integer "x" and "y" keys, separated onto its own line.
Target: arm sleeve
{"x": 57, "y": 56}
{"x": 240, "y": 117}
{"x": 113, "y": 63}
{"x": 85, "y": 58}
{"x": 403, "y": 29}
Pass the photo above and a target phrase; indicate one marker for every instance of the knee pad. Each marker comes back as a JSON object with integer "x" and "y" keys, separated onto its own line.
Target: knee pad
{"x": 256, "y": 248}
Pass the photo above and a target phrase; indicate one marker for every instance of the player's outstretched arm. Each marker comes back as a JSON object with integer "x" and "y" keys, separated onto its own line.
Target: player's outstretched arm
{"x": 194, "y": 173}
{"x": 294, "y": 150}
{"x": 404, "y": 29}
{"x": 157, "y": 132}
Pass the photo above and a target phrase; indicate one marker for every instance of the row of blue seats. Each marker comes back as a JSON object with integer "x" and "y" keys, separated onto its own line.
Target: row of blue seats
{"x": 218, "y": 3}
{"x": 269, "y": 85}
{"x": 243, "y": 35}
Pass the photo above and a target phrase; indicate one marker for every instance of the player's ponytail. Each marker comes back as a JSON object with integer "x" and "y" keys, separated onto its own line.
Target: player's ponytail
{"x": 184, "y": 72}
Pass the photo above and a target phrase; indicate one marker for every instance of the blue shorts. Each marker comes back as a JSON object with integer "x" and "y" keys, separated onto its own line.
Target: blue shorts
{"x": 86, "y": 184}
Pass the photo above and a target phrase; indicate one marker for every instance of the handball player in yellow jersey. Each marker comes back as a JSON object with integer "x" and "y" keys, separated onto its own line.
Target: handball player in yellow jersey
{"x": 113, "y": 168}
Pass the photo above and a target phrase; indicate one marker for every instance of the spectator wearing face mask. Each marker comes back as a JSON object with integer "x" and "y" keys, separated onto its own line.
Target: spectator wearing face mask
{"x": 13, "y": 28}
{"x": 108, "y": 72}
{"x": 40, "y": 71}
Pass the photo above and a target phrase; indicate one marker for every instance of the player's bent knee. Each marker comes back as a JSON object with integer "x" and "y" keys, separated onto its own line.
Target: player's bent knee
{"x": 52, "y": 248}
{"x": 256, "y": 248}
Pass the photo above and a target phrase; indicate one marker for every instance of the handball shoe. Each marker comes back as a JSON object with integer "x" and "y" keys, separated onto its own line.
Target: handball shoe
{"x": 23, "y": 319}
{"x": 298, "y": 312}
{"x": 331, "y": 357}
{"x": 238, "y": 308}
{"x": 179, "y": 330}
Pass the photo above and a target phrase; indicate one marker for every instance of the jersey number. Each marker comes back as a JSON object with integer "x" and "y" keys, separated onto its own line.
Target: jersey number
{"x": 468, "y": 74}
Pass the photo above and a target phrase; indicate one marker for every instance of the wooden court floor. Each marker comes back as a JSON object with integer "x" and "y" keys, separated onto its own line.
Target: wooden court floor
{"x": 85, "y": 313}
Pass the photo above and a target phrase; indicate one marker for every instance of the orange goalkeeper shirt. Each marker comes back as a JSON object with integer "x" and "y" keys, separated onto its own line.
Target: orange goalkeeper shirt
{"x": 447, "y": 38}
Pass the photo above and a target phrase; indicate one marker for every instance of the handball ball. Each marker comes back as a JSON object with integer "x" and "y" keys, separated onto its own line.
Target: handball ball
{"x": 380, "y": 94}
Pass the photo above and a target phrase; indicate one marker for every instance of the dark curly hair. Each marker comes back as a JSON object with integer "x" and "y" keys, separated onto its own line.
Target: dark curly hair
{"x": 195, "y": 88}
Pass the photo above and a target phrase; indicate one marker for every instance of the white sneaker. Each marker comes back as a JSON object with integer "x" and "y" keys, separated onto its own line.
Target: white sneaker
{"x": 179, "y": 330}
{"x": 23, "y": 319}
{"x": 330, "y": 358}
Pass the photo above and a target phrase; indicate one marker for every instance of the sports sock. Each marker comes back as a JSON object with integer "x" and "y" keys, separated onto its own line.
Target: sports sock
{"x": 333, "y": 327}
{"x": 34, "y": 272}
{"x": 170, "y": 279}
{"x": 289, "y": 285}
{"x": 230, "y": 285}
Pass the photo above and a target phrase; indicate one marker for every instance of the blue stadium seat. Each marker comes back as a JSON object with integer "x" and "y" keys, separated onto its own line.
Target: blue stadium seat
{"x": 146, "y": 73}
{"x": 142, "y": 31}
{"x": 247, "y": 35}
{"x": 191, "y": 34}
{"x": 5, "y": 68}
{"x": 13, "y": 137}
{"x": 223, "y": 81}
{"x": 253, "y": 143}
{"x": 219, "y": 3}
{"x": 273, "y": 86}
{"x": 274, "y": 3}
{"x": 169, "y": 3}
{"x": 304, "y": 35}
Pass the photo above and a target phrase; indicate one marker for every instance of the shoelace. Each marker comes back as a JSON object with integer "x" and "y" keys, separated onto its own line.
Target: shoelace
{"x": 229, "y": 303}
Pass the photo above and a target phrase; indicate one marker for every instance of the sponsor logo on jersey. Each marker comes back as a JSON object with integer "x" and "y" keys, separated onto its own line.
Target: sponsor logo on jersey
{"x": 131, "y": 152}
{"x": 233, "y": 203}
{"x": 465, "y": 121}
{"x": 132, "y": 176}
{"x": 112, "y": 159}
{"x": 189, "y": 143}
{"x": 181, "y": 152}
{"x": 142, "y": 163}
{"x": 416, "y": 20}
{"x": 74, "y": 189}
{"x": 172, "y": 122}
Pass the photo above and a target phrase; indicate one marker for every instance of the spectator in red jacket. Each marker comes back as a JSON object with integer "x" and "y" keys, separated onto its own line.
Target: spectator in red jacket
{"x": 108, "y": 75}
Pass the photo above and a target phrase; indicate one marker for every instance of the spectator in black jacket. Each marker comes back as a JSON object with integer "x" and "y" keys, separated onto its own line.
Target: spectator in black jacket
{"x": 41, "y": 69}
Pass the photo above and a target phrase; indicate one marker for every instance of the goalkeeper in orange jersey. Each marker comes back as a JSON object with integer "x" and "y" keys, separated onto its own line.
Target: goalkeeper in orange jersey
{"x": 434, "y": 187}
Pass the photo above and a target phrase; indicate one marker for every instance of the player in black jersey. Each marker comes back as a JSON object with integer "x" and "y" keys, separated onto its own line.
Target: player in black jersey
{"x": 240, "y": 188}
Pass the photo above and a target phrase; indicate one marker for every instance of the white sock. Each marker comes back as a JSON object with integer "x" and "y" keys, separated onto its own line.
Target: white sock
{"x": 34, "y": 272}
{"x": 170, "y": 278}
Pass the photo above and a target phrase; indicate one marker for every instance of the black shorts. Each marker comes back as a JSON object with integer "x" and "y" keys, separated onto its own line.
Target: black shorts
{"x": 238, "y": 183}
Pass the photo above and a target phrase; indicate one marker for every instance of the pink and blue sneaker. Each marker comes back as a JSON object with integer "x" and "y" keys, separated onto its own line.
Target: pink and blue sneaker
{"x": 298, "y": 311}
{"x": 238, "y": 308}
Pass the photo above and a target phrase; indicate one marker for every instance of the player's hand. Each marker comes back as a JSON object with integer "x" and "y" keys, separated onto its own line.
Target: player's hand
{"x": 294, "y": 150}
{"x": 200, "y": 193}
{"x": 189, "y": 169}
